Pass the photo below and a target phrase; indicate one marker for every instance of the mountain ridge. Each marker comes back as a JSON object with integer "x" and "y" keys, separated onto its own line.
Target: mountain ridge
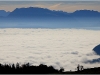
{"x": 44, "y": 12}
{"x": 34, "y": 17}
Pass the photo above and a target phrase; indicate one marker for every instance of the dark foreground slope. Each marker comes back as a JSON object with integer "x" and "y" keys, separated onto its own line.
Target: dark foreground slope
{"x": 42, "y": 69}
{"x": 27, "y": 69}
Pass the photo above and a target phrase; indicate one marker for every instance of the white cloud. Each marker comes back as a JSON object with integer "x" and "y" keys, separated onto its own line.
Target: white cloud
{"x": 58, "y": 47}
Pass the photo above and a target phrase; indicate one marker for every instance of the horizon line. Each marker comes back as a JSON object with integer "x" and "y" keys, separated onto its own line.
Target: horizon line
{"x": 51, "y": 9}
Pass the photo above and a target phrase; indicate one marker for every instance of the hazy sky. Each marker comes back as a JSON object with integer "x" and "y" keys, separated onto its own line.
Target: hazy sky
{"x": 68, "y": 6}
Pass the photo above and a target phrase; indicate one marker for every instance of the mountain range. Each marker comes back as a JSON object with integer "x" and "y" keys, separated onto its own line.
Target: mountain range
{"x": 35, "y": 17}
{"x": 43, "y": 12}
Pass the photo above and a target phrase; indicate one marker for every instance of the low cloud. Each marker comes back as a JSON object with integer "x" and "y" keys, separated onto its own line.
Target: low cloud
{"x": 58, "y": 47}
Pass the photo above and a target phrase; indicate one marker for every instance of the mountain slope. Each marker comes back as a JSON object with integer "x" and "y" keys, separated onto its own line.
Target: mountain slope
{"x": 3, "y": 13}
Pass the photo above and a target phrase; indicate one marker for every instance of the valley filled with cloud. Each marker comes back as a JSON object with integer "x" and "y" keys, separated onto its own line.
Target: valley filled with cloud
{"x": 57, "y": 47}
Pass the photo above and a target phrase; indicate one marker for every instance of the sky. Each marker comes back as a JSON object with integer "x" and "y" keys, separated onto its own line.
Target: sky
{"x": 68, "y": 6}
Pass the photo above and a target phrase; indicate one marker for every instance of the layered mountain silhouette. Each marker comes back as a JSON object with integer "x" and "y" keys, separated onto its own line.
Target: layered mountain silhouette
{"x": 43, "y": 12}
{"x": 46, "y": 18}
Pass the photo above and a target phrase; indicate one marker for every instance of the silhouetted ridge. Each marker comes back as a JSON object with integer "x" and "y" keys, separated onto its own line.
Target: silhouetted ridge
{"x": 35, "y": 12}
{"x": 27, "y": 69}
{"x": 43, "y": 12}
{"x": 43, "y": 69}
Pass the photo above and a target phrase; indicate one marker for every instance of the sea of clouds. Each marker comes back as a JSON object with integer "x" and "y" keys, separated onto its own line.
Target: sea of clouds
{"x": 57, "y": 47}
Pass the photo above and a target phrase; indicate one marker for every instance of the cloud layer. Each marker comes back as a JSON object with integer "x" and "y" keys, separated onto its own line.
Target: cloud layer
{"x": 57, "y": 47}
